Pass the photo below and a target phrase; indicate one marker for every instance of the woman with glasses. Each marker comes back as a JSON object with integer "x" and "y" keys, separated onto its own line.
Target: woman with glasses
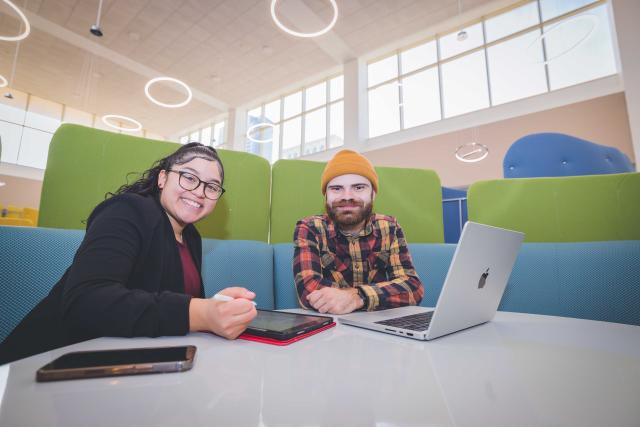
{"x": 137, "y": 271}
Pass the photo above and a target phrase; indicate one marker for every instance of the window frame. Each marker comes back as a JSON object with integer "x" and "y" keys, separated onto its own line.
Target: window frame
{"x": 540, "y": 26}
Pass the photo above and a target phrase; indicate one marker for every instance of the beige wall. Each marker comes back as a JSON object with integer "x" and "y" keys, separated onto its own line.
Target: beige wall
{"x": 20, "y": 192}
{"x": 602, "y": 120}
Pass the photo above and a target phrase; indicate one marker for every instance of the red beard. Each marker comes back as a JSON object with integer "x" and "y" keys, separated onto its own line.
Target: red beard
{"x": 358, "y": 212}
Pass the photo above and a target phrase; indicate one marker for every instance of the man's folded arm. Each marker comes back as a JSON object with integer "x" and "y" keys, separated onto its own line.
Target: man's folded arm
{"x": 403, "y": 286}
{"x": 307, "y": 268}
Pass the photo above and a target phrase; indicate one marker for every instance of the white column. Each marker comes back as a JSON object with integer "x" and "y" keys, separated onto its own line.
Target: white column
{"x": 356, "y": 115}
{"x": 626, "y": 15}
{"x": 237, "y": 127}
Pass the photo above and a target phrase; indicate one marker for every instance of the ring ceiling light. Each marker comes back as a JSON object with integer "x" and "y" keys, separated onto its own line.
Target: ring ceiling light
{"x": 27, "y": 26}
{"x": 298, "y": 34}
{"x": 3, "y": 81}
{"x": 168, "y": 79}
{"x": 107, "y": 117}
{"x": 472, "y": 152}
{"x": 592, "y": 20}
{"x": 256, "y": 126}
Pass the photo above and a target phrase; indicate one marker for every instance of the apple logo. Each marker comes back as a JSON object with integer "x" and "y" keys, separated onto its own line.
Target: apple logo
{"x": 483, "y": 279}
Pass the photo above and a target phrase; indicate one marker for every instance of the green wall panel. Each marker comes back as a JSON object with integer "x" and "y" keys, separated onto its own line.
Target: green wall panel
{"x": 413, "y": 196}
{"x": 561, "y": 209}
{"x": 84, "y": 164}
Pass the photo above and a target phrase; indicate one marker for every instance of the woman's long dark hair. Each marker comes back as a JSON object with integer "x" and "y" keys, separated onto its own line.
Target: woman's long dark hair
{"x": 148, "y": 182}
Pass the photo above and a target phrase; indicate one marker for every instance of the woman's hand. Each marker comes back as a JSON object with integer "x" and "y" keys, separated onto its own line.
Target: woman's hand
{"x": 227, "y": 319}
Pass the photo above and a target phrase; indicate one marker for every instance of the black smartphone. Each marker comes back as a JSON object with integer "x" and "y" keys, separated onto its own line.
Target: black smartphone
{"x": 108, "y": 363}
{"x": 281, "y": 325}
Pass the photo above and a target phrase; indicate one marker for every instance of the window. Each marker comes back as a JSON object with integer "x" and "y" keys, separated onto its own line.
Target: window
{"x": 525, "y": 50}
{"x": 418, "y": 57}
{"x": 382, "y": 70}
{"x": 301, "y": 123}
{"x": 453, "y": 43}
{"x": 511, "y": 22}
{"x": 516, "y": 68}
{"x": 205, "y": 136}
{"x": 464, "y": 85}
{"x": 384, "y": 109}
{"x": 194, "y": 136}
{"x": 212, "y": 135}
{"x": 553, "y": 8}
{"x": 219, "y": 137}
{"x": 579, "y": 48}
{"x": 421, "y": 98}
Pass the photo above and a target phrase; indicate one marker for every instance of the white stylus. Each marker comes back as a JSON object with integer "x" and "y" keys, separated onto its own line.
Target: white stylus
{"x": 226, "y": 298}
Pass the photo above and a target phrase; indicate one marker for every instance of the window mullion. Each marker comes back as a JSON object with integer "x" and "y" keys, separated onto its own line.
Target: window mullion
{"x": 486, "y": 62}
{"x": 439, "y": 65}
{"x": 544, "y": 47}
{"x": 400, "y": 92}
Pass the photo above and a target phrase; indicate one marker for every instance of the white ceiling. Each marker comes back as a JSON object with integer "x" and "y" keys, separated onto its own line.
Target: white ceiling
{"x": 230, "y": 52}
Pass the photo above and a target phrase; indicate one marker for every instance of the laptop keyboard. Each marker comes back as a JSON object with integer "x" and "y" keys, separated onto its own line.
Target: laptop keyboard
{"x": 414, "y": 322}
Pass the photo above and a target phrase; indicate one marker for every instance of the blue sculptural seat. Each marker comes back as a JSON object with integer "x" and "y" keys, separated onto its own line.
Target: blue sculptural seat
{"x": 557, "y": 154}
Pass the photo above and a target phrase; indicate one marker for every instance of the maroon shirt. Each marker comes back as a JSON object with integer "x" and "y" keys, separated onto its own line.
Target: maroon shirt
{"x": 189, "y": 272}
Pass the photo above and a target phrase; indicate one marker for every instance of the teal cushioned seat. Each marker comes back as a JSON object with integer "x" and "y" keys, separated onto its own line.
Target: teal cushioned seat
{"x": 239, "y": 263}
{"x": 589, "y": 280}
{"x": 284, "y": 286}
{"x": 32, "y": 261}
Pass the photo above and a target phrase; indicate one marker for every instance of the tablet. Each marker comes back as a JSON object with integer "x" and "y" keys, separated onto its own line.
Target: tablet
{"x": 108, "y": 363}
{"x": 272, "y": 341}
{"x": 281, "y": 325}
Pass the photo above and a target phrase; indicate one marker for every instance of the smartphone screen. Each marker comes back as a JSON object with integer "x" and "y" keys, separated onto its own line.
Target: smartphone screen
{"x": 91, "y": 364}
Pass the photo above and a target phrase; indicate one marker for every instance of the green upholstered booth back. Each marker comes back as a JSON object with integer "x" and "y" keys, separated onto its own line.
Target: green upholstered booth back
{"x": 561, "y": 209}
{"x": 84, "y": 164}
{"x": 413, "y": 196}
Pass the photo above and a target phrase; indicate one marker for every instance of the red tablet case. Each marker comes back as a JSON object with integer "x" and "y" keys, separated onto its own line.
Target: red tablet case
{"x": 265, "y": 340}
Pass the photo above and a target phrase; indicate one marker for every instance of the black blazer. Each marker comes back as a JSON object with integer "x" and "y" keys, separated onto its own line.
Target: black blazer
{"x": 126, "y": 280}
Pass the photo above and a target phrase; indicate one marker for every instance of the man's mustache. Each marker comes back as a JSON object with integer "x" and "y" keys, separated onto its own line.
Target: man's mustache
{"x": 349, "y": 203}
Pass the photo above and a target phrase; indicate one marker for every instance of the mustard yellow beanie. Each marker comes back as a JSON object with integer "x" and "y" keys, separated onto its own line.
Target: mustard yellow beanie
{"x": 348, "y": 162}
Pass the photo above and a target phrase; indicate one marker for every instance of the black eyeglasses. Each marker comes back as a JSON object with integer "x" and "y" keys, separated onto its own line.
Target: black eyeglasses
{"x": 190, "y": 182}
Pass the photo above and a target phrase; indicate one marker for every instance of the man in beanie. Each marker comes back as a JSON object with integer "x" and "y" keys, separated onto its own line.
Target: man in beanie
{"x": 350, "y": 258}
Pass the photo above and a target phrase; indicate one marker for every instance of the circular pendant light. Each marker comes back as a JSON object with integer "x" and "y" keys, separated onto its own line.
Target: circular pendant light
{"x": 27, "y": 26}
{"x": 106, "y": 119}
{"x": 256, "y": 126}
{"x": 590, "y": 20}
{"x": 299, "y": 34}
{"x": 472, "y": 152}
{"x": 168, "y": 79}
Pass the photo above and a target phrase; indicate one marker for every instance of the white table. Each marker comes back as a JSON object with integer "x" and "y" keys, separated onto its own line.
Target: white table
{"x": 519, "y": 370}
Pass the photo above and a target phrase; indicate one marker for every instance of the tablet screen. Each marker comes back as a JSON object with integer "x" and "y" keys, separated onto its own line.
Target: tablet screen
{"x": 283, "y": 323}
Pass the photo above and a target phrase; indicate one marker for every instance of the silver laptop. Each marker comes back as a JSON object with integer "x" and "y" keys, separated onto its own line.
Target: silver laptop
{"x": 471, "y": 292}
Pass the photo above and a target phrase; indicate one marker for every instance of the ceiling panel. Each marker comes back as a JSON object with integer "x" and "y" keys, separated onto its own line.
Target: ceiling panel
{"x": 226, "y": 49}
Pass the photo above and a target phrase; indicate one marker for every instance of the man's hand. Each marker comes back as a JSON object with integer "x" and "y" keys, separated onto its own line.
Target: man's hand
{"x": 335, "y": 301}
{"x": 227, "y": 319}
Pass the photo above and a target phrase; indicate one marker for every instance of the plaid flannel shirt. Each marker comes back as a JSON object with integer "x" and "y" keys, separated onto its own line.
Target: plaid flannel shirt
{"x": 376, "y": 260}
